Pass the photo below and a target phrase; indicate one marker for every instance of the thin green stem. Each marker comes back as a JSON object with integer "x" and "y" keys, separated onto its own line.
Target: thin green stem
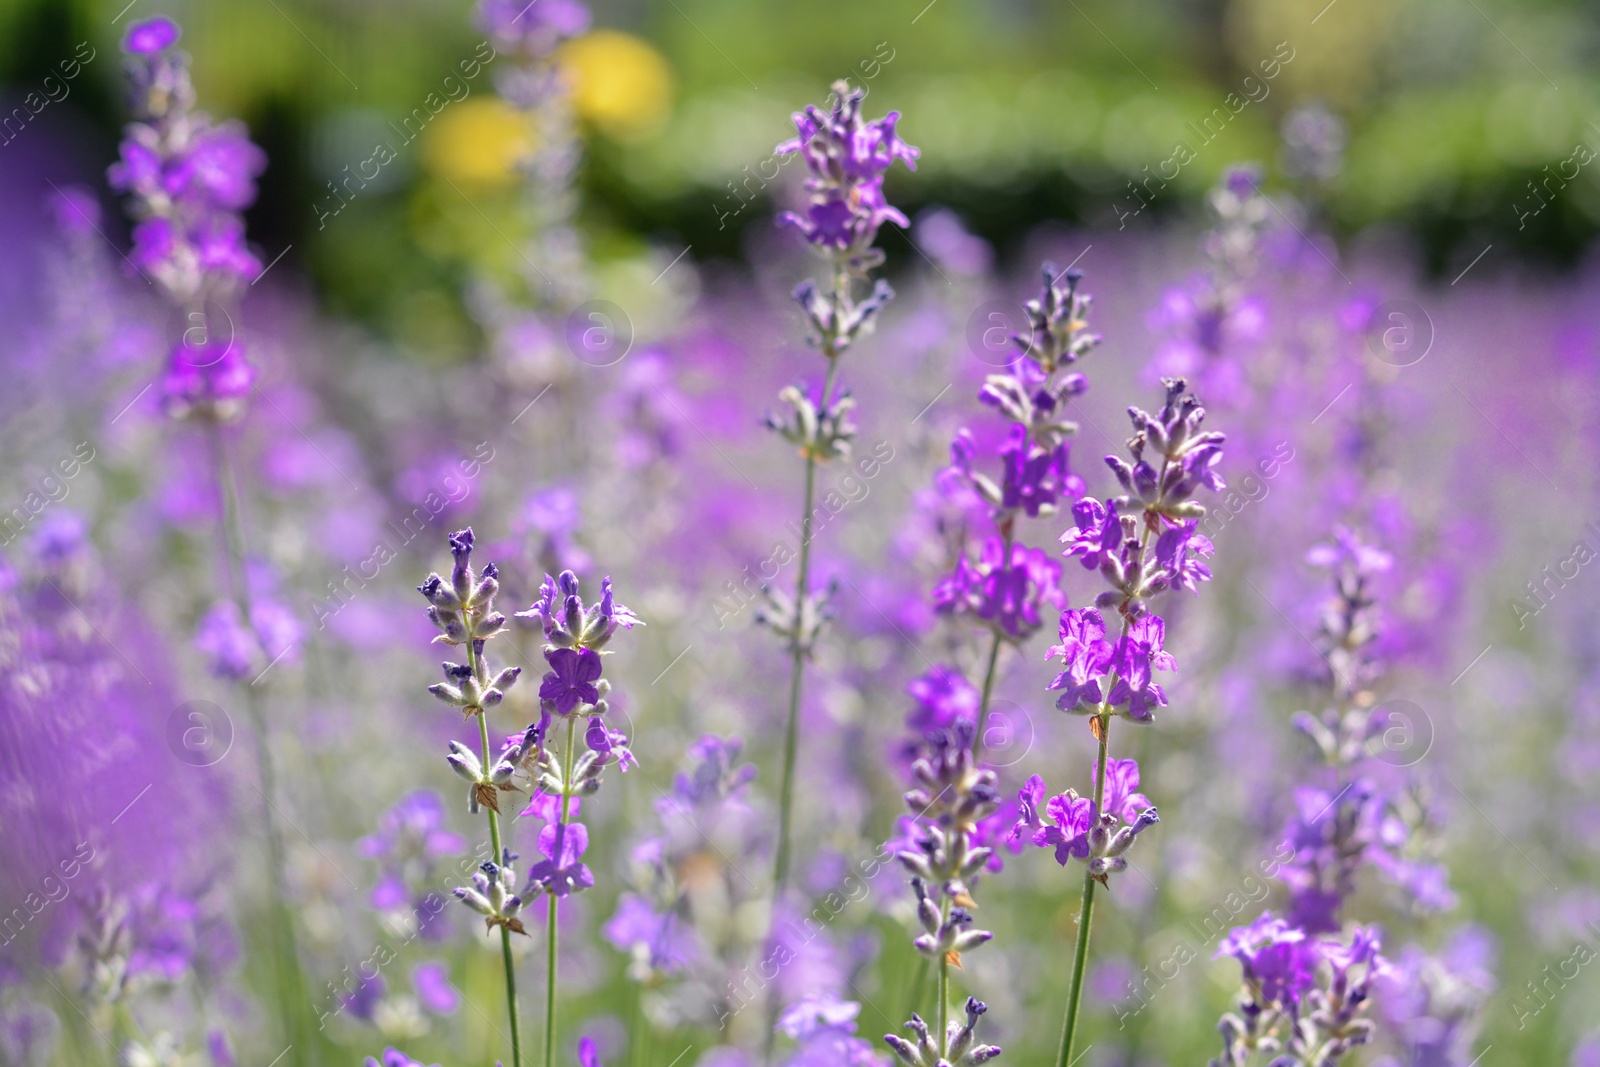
{"x": 550, "y": 949}
{"x": 799, "y": 650}
{"x": 499, "y": 855}
{"x": 802, "y": 594}
{"x": 1080, "y": 956}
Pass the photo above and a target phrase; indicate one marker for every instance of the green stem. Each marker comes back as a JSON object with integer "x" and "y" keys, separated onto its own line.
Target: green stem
{"x": 798, "y": 650}
{"x": 499, "y": 854}
{"x": 550, "y": 950}
{"x": 802, "y": 591}
{"x": 1080, "y": 957}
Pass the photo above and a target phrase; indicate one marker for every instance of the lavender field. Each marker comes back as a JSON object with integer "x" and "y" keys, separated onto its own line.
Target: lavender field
{"x": 543, "y": 554}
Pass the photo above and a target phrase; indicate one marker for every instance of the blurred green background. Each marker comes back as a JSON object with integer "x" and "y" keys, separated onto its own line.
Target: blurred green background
{"x": 1025, "y": 110}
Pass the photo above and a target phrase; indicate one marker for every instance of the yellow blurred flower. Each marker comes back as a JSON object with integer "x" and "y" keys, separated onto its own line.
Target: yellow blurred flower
{"x": 620, "y": 83}
{"x": 480, "y": 139}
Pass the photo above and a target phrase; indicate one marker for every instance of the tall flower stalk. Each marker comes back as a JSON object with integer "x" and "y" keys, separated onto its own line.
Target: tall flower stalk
{"x": 1105, "y": 678}
{"x": 187, "y": 179}
{"x": 954, "y": 794}
{"x": 846, "y": 159}
{"x": 463, "y": 610}
{"x": 575, "y": 640}
{"x": 1008, "y": 583}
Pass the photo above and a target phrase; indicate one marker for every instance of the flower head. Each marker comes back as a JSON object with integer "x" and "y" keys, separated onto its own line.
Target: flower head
{"x": 562, "y": 871}
{"x": 846, "y": 158}
{"x": 570, "y": 680}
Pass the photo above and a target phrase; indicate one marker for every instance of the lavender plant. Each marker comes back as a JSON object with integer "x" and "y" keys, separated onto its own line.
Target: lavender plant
{"x": 576, "y": 636}
{"x": 1009, "y": 584}
{"x": 575, "y": 640}
{"x": 846, "y": 158}
{"x": 463, "y": 610}
{"x": 187, "y": 179}
{"x": 954, "y": 794}
{"x": 1105, "y": 678}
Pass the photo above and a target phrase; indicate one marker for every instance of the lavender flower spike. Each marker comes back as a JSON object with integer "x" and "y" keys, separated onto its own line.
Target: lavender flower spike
{"x": 188, "y": 179}
{"x": 462, "y": 608}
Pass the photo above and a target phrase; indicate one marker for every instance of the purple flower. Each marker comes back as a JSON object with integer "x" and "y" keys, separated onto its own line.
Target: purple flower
{"x": 1138, "y": 653}
{"x": 568, "y": 623}
{"x": 1277, "y": 958}
{"x": 1087, "y": 655}
{"x": 151, "y": 35}
{"x": 588, "y": 1054}
{"x": 393, "y": 1057}
{"x": 1008, "y": 598}
{"x": 547, "y": 806}
{"x": 562, "y": 871}
{"x": 434, "y": 990}
{"x": 1029, "y": 799}
{"x": 1035, "y": 477}
{"x": 1121, "y": 797}
{"x": 942, "y": 696}
{"x": 1098, "y": 534}
{"x": 608, "y": 743}
{"x": 535, "y": 28}
{"x": 570, "y": 680}
{"x": 846, "y": 159}
{"x": 660, "y": 940}
{"x": 1068, "y": 818}
{"x": 1178, "y": 550}
{"x": 187, "y": 179}
{"x": 213, "y": 376}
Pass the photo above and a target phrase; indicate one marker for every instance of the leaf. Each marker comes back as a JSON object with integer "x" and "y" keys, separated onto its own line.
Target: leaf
{"x": 1095, "y": 728}
{"x": 488, "y": 797}
{"x": 954, "y": 957}
{"x": 964, "y": 900}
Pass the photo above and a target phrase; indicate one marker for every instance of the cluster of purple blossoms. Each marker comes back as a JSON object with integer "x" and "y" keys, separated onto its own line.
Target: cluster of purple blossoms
{"x": 951, "y": 796}
{"x": 241, "y": 641}
{"x": 189, "y": 178}
{"x": 657, "y": 923}
{"x": 1339, "y": 830}
{"x": 1116, "y": 675}
{"x": 532, "y": 29}
{"x": 1008, "y": 586}
{"x": 1076, "y": 828}
{"x": 823, "y": 1029}
{"x": 410, "y": 842}
{"x": 846, "y": 159}
{"x": 1303, "y": 999}
{"x": 393, "y": 1057}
